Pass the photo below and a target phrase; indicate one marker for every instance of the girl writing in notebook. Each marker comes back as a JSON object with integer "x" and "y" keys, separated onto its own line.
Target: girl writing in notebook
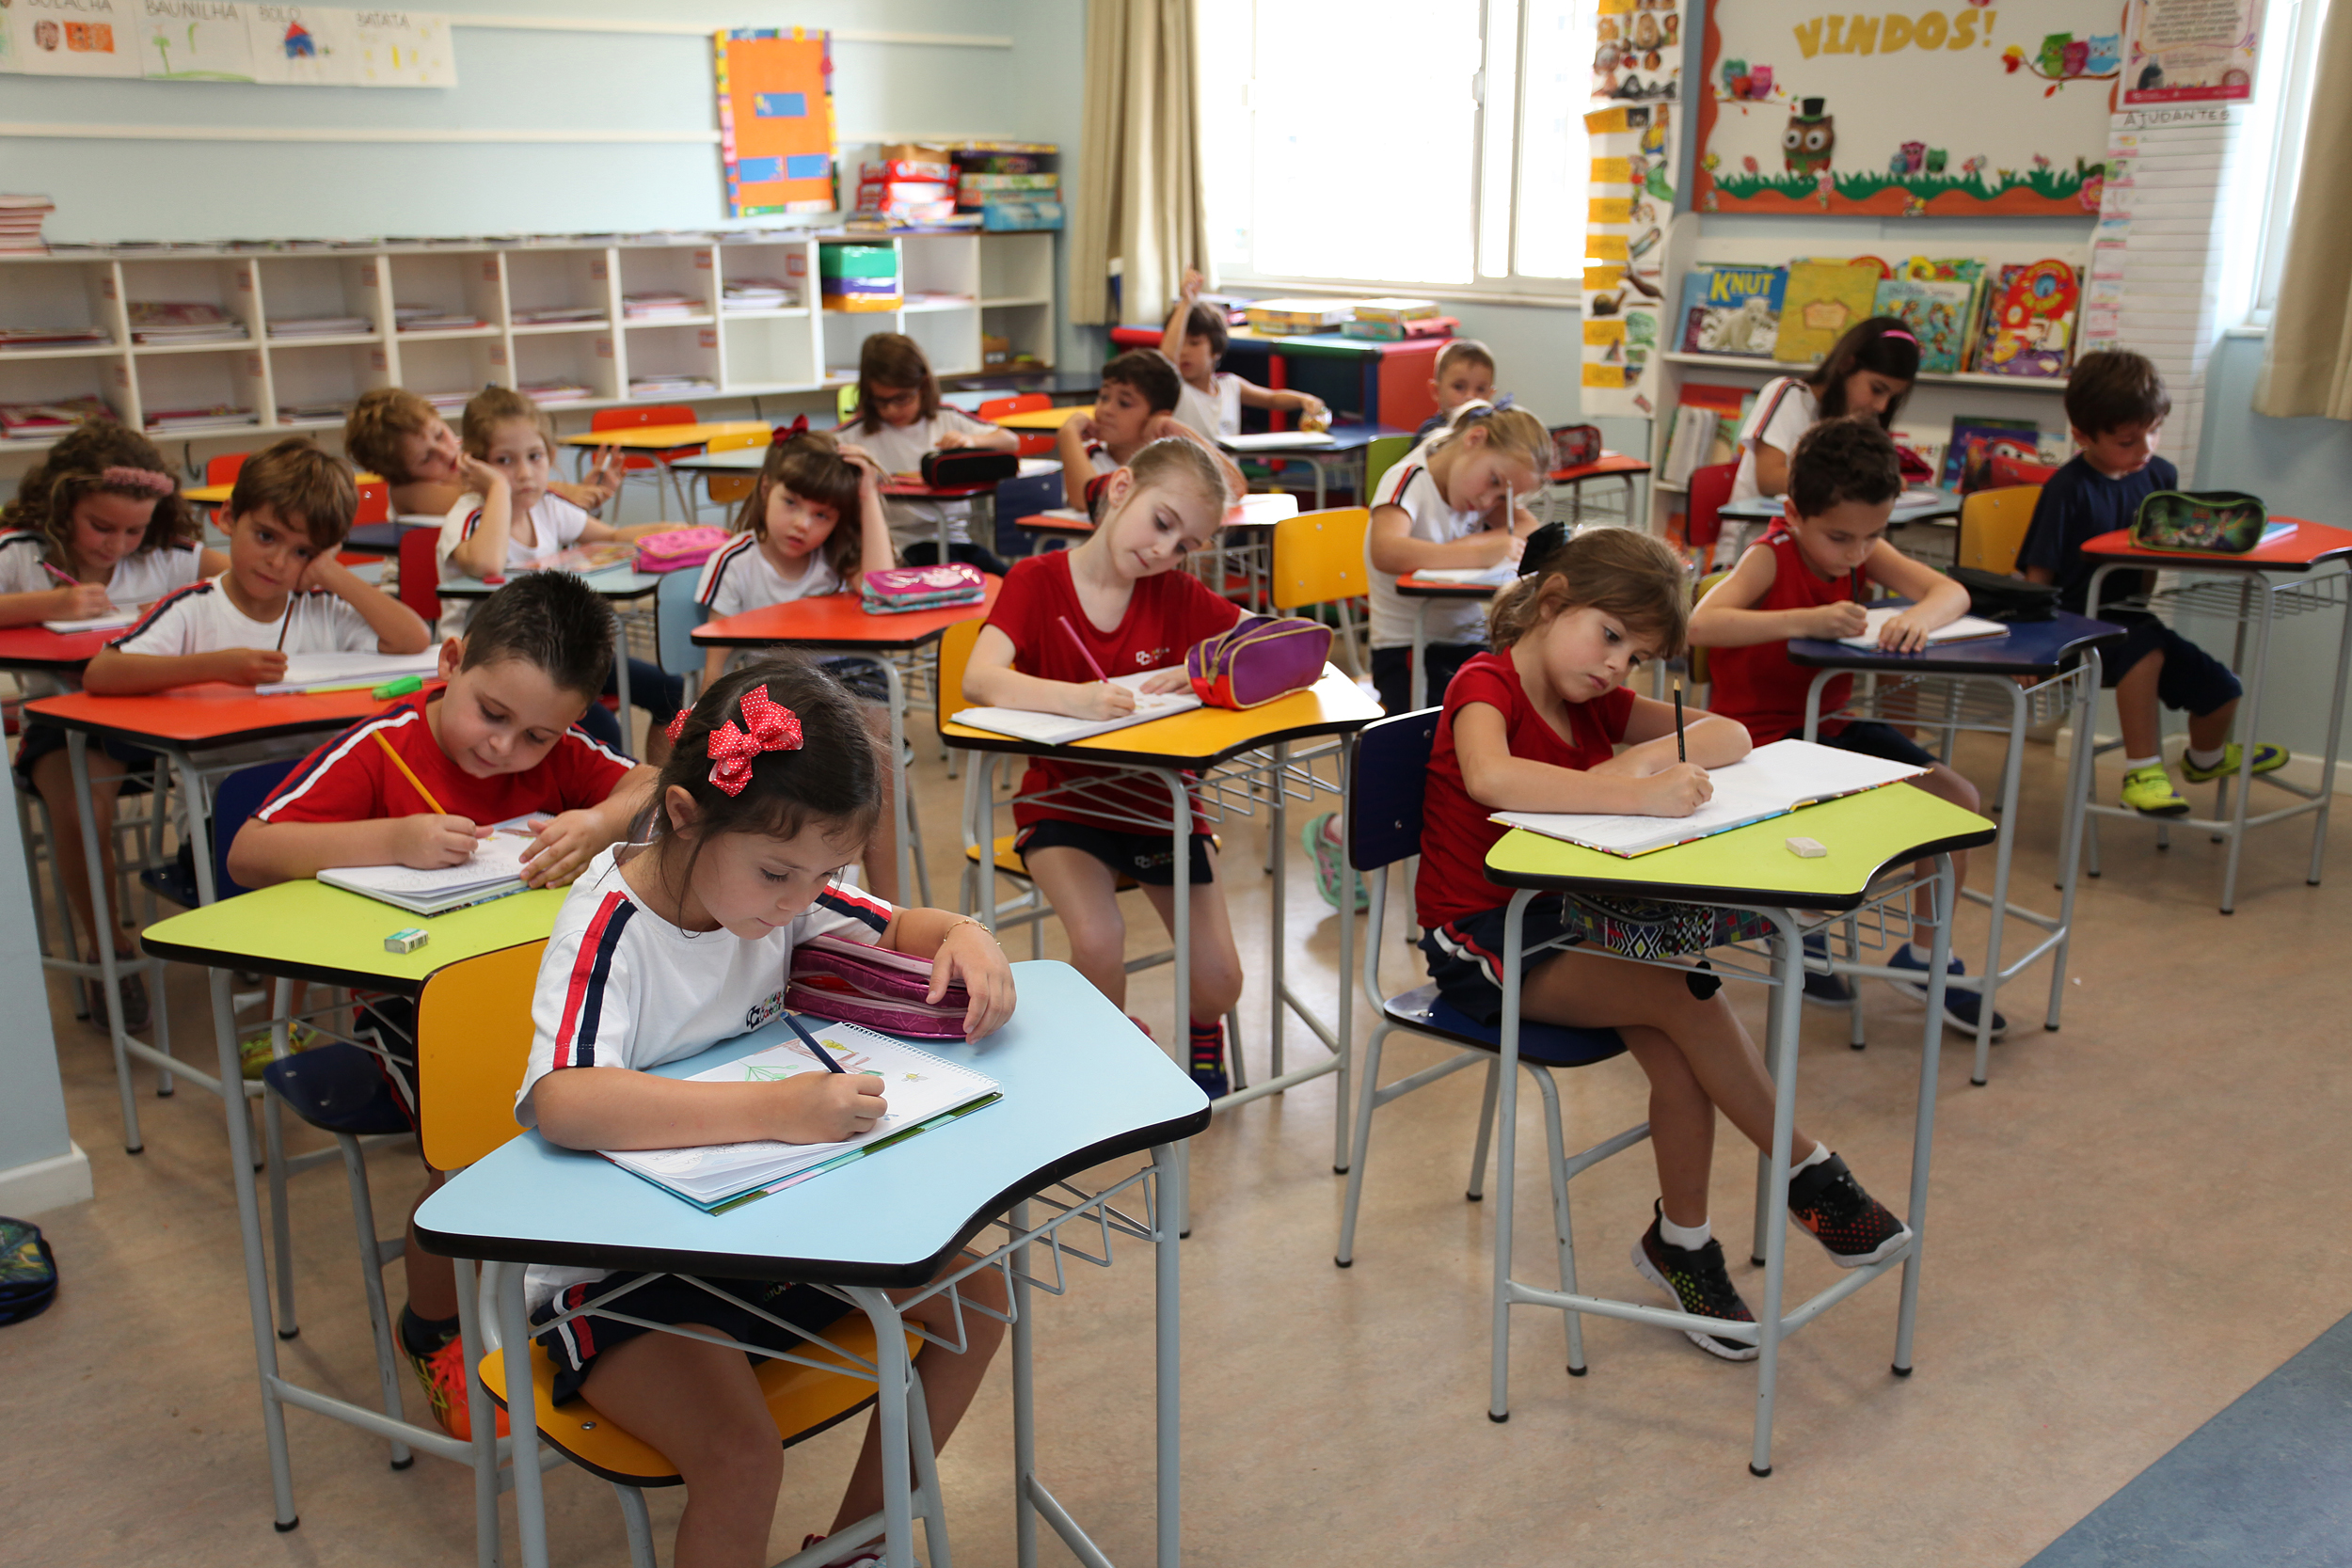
{"x": 1118, "y": 605}
{"x": 97, "y": 526}
{"x": 812, "y": 525}
{"x": 667, "y": 947}
{"x": 1545, "y": 723}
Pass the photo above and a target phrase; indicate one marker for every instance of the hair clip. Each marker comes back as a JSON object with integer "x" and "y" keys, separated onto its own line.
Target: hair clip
{"x": 768, "y": 726}
{"x": 123, "y": 477}
{"x": 675, "y": 728}
{"x": 786, "y": 432}
{"x": 1898, "y": 332}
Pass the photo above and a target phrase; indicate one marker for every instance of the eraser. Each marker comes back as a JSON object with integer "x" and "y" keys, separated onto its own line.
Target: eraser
{"x": 1809, "y": 849}
{"x": 400, "y": 687}
{"x": 407, "y": 939}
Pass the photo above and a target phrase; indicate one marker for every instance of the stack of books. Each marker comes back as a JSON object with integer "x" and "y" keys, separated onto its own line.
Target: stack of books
{"x": 655, "y": 305}
{"x": 1008, "y": 187}
{"x": 447, "y": 402}
{"x": 432, "y": 318}
{"x": 20, "y": 224}
{"x": 548, "y": 315}
{"x": 1288, "y": 317}
{"x": 669, "y": 385}
{"x": 1392, "y": 321}
{"x": 546, "y": 394}
{"x": 2014, "y": 320}
{"x": 759, "y": 294}
{"x": 321, "y": 326}
{"x": 50, "y": 337}
{"x": 322, "y": 411}
{"x": 39, "y": 421}
{"x": 859, "y": 277}
{"x": 172, "y": 421}
{"x": 191, "y": 321}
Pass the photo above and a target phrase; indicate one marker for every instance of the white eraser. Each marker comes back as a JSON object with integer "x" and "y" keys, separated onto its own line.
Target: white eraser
{"x": 1809, "y": 849}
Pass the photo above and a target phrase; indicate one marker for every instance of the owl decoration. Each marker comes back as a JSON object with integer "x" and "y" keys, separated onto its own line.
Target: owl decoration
{"x": 1811, "y": 139}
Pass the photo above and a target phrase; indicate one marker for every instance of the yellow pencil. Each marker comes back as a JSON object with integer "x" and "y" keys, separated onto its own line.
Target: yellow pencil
{"x": 399, "y": 763}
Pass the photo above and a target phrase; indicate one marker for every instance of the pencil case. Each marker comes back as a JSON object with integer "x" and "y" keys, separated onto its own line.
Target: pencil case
{"x": 1573, "y": 446}
{"x": 968, "y": 466}
{"x": 679, "y": 548}
{"x": 1651, "y": 928}
{"x": 2210, "y": 522}
{"x": 855, "y": 982}
{"x": 1261, "y": 657}
{"x": 895, "y": 590}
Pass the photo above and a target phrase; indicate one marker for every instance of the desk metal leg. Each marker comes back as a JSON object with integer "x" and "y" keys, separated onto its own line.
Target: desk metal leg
{"x": 1278, "y": 857}
{"x": 1420, "y": 651}
{"x": 1506, "y": 1148}
{"x": 2079, "y": 777}
{"x": 2004, "y": 844}
{"x": 890, "y": 1419}
{"x": 1168, "y": 1352}
{"x": 1946, "y": 894}
{"x": 530, "y": 1513}
{"x": 2254, "y": 711}
{"x": 1024, "y": 1399}
{"x": 1781, "y": 1051}
{"x": 102, "y": 925}
{"x": 900, "y": 806}
{"x": 2335, "y": 735}
{"x": 620, "y": 687}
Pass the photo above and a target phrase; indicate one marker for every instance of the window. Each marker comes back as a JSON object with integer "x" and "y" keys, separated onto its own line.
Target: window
{"x": 2283, "y": 98}
{"x": 1422, "y": 143}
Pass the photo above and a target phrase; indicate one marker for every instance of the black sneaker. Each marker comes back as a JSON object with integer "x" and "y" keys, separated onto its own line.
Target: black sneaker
{"x": 1855, "y": 1227}
{"x": 1824, "y": 990}
{"x": 1698, "y": 1285}
{"x": 1960, "y": 1002}
{"x": 1208, "y": 1060}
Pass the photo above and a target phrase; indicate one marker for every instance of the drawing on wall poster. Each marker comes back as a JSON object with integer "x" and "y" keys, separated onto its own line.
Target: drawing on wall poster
{"x": 775, "y": 119}
{"x": 195, "y": 41}
{"x": 1973, "y": 109}
{"x": 2201, "y": 52}
{"x": 227, "y": 41}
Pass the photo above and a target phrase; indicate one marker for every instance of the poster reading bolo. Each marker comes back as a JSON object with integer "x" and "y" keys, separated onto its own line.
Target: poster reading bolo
{"x": 1974, "y": 108}
{"x": 1632, "y": 125}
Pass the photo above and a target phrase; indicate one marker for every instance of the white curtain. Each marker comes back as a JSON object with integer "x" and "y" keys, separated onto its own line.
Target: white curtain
{"x": 1139, "y": 201}
{"x": 2308, "y": 366}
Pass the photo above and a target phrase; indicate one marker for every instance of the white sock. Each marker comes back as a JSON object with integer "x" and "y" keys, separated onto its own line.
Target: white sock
{"x": 2207, "y": 759}
{"x": 1821, "y": 1152}
{"x": 1921, "y": 953}
{"x": 2134, "y": 764}
{"x": 1689, "y": 1238}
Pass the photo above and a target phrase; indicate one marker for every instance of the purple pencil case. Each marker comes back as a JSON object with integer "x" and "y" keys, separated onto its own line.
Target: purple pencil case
{"x": 855, "y": 982}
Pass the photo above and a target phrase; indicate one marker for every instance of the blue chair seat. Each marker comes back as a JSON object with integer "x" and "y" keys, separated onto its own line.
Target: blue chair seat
{"x": 336, "y": 1087}
{"x": 1425, "y": 1012}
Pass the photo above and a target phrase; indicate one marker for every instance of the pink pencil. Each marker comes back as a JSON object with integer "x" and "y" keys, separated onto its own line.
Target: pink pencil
{"x": 1080, "y": 644}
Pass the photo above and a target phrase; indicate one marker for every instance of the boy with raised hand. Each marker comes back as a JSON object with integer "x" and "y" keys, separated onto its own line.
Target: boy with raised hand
{"x": 1805, "y": 577}
{"x": 496, "y": 737}
{"x": 2116, "y": 403}
{"x": 1135, "y": 407}
{"x": 284, "y": 592}
{"x": 1211, "y": 399}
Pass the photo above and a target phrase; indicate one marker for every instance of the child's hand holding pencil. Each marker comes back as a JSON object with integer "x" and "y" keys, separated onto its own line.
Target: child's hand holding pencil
{"x": 1098, "y": 698}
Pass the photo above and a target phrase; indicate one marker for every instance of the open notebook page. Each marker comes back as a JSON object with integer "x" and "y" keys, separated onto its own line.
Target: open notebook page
{"x": 1967, "y": 629}
{"x": 497, "y": 862}
{"x": 1055, "y": 729}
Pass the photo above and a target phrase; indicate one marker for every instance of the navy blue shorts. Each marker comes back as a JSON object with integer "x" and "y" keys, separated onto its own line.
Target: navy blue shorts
{"x": 1883, "y": 741}
{"x": 2192, "y": 680}
{"x": 1466, "y": 955}
{"x": 1392, "y": 671}
{"x": 38, "y": 739}
{"x": 573, "y": 1346}
{"x": 1146, "y": 857}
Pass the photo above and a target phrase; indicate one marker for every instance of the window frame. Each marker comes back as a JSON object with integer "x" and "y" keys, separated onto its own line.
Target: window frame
{"x": 2288, "y": 115}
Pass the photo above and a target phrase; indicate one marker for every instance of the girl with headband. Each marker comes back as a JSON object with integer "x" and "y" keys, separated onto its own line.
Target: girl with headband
{"x": 1869, "y": 371}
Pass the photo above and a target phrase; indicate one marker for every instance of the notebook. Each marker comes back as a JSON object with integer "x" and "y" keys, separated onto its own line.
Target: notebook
{"x": 326, "y": 672}
{"x": 493, "y": 871}
{"x": 1056, "y": 729}
{"x": 1494, "y": 576}
{"x": 1266, "y": 440}
{"x": 1968, "y": 629}
{"x": 122, "y": 615}
{"x": 923, "y": 1091}
{"x": 1772, "y": 780}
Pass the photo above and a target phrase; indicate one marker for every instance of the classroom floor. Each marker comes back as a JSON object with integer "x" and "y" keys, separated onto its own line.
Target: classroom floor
{"x": 2124, "y": 1240}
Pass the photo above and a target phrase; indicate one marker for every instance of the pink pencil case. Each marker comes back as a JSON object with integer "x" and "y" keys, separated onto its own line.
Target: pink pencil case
{"x": 898, "y": 589}
{"x": 856, "y": 982}
{"x": 679, "y": 548}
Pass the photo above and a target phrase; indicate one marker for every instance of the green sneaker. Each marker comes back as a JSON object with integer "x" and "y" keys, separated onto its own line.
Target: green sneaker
{"x": 253, "y": 1053}
{"x": 2149, "y": 791}
{"x": 2267, "y": 759}
{"x": 1330, "y": 864}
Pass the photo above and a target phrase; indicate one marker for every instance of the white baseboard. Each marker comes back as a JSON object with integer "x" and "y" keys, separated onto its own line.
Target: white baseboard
{"x": 2301, "y": 770}
{"x": 46, "y": 1184}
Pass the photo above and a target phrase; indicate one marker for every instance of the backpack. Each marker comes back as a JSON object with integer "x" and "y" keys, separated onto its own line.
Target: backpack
{"x": 1997, "y": 596}
{"x": 28, "y": 1272}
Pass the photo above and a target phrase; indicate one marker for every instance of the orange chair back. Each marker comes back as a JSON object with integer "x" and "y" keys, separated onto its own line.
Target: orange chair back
{"x": 955, "y": 651}
{"x": 1319, "y": 557}
{"x": 727, "y": 489}
{"x": 375, "y": 502}
{"x": 1992, "y": 526}
{"x": 474, "y": 1036}
{"x": 640, "y": 419}
{"x": 420, "y": 573}
{"x": 1033, "y": 443}
{"x": 223, "y": 469}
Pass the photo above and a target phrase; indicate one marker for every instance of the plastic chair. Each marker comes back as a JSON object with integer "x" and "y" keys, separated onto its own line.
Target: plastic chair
{"x": 224, "y": 469}
{"x": 1033, "y": 443}
{"x": 1021, "y": 497}
{"x": 375, "y": 503}
{"x": 1384, "y": 818}
{"x": 727, "y": 489}
{"x": 1702, "y": 519}
{"x": 1380, "y": 456}
{"x": 1319, "y": 559}
{"x": 420, "y": 573}
{"x": 1993, "y": 525}
{"x": 473, "y": 1034}
{"x": 656, "y": 466}
{"x": 1700, "y": 676}
{"x": 675, "y": 615}
{"x": 844, "y": 403}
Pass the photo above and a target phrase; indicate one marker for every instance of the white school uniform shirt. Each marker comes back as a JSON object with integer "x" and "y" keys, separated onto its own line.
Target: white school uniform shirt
{"x": 1216, "y": 412}
{"x": 556, "y": 526}
{"x": 620, "y": 986}
{"x": 1410, "y": 485}
{"x": 899, "y": 450}
{"x": 139, "y": 578}
{"x": 739, "y": 576}
{"x": 202, "y": 619}
{"x": 1784, "y": 410}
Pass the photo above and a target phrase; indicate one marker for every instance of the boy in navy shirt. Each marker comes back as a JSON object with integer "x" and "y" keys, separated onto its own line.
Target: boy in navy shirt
{"x": 2115, "y": 401}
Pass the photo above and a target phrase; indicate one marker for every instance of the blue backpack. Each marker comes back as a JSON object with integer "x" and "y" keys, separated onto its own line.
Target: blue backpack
{"x": 28, "y": 1272}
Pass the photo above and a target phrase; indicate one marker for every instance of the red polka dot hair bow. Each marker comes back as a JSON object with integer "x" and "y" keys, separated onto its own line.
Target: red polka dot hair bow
{"x": 768, "y": 726}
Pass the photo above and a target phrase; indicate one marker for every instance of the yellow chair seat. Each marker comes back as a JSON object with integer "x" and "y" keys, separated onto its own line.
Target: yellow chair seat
{"x": 802, "y": 1401}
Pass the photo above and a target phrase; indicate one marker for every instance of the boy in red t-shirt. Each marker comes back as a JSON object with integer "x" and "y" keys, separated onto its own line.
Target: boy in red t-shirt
{"x": 1118, "y": 605}
{"x": 498, "y": 739}
{"x": 1804, "y": 578}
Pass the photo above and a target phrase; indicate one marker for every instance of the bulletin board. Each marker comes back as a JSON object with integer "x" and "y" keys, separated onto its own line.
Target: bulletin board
{"x": 1634, "y": 124}
{"x": 1975, "y": 109}
{"x": 775, "y": 119}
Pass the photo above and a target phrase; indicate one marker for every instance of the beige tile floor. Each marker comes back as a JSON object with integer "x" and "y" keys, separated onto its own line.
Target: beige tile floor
{"x": 2129, "y": 1229}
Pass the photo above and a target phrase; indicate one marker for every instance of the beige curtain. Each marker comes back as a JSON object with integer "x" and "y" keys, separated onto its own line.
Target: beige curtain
{"x": 2308, "y": 366}
{"x": 1139, "y": 200}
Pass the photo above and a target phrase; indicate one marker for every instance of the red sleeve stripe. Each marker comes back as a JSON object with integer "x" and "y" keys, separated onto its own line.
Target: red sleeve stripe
{"x": 322, "y": 761}
{"x": 576, "y": 733}
{"x": 162, "y": 608}
{"x": 856, "y": 905}
{"x": 719, "y": 565}
{"x": 583, "y": 996}
{"x": 473, "y": 519}
{"x": 1392, "y": 484}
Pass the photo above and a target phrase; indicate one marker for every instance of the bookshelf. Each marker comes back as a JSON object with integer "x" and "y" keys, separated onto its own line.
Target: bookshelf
{"x": 521, "y": 311}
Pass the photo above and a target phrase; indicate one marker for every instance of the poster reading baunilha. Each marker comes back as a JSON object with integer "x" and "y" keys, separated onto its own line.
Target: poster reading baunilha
{"x": 1974, "y": 108}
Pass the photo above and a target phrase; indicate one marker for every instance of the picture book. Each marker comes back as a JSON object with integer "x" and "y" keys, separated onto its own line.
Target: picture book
{"x": 1939, "y": 313}
{"x": 1943, "y": 269}
{"x": 1056, "y": 729}
{"x": 1731, "y": 310}
{"x": 921, "y": 1089}
{"x": 1822, "y": 299}
{"x": 1976, "y": 442}
{"x": 2029, "y": 317}
{"x": 493, "y": 871}
{"x": 1770, "y": 780}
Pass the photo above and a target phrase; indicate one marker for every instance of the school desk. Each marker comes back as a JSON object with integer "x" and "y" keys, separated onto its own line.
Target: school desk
{"x": 1044, "y": 419}
{"x": 1342, "y": 453}
{"x": 1081, "y": 1087}
{"x": 1004, "y": 383}
{"x": 1874, "y": 835}
{"x": 1611, "y": 464}
{"x": 836, "y": 623}
{"x": 184, "y": 724}
{"x": 1357, "y": 376}
{"x": 1944, "y": 507}
{"x": 2281, "y": 578}
{"x": 2038, "y": 673}
{"x": 1424, "y": 592}
{"x": 1226, "y": 758}
{"x": 665, "y": 443}
{"x": 304, "y": 930}
{"x": 35, "y": 650}
{"x": 616, "y": 585}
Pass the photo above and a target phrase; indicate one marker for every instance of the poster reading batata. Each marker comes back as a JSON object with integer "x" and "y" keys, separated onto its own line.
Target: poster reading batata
{"x": 1978, "y": 108}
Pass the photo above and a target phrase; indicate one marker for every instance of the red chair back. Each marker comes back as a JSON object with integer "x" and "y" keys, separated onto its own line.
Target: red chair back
{"x": 375, "y": 503}
{"x": 223, "y": 469}
{"x": 420, "y": 573}
{"x": 639, "y": 418}
{"x": 2009, "y": 473}
{"x": 996, "y": 408}
{"x": 1702, "y": 521}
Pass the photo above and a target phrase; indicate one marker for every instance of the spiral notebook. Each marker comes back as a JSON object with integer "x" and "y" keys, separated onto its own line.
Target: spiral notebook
{"x": 1057, "y": 729}
{"x": 923, "y": 1091}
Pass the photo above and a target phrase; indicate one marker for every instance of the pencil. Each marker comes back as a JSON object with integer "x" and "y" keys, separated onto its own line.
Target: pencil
{"x": 283, "y": 622}
{"x": 1681, "y": 754}
{"x": 1080, "y": 644}
{"x": 399, "y": 762}
{"x": 815, "y": 1050}
{"x": 70, "y": 582}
